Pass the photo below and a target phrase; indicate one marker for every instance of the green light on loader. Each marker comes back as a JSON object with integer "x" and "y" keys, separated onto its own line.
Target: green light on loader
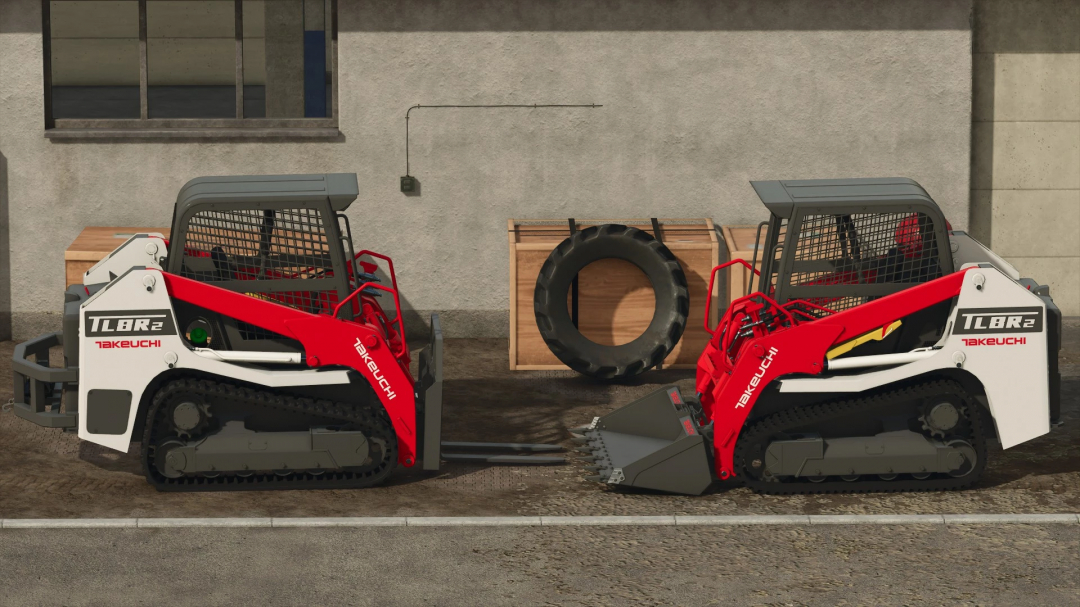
{"x": 199, "y": 334}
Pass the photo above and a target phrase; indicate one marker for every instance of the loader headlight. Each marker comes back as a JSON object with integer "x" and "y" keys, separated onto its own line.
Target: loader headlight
{"x": 199, "y": 333}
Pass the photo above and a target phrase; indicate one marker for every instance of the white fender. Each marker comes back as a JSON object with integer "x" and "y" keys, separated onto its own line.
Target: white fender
{"x": 129, "y": 335}
{"x": 997, "y": 332}
{"x": 139, "y": 251}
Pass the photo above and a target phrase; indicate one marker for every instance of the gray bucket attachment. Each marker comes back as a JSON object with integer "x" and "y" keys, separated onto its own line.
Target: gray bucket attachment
{"x": 652, "y": 443}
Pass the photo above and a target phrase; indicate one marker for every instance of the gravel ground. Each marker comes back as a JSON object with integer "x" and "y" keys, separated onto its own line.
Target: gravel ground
{"x": 1011, "y": 565}
{"x": 47, "y": 473}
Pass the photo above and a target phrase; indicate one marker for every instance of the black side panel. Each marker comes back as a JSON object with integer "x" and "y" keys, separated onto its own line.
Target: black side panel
{"x": 918, "y": 330}
{"x": 73, "y": 298}
{"x": 1053, "y": 346}
{"x": 429, "y": 398}
{"x": 107, "y": 411}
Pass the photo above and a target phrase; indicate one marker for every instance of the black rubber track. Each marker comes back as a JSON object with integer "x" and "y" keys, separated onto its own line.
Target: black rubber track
{"x": 611, "y": 241}
{"x": 371, "y": 420}
{"x": 759, "y": 433}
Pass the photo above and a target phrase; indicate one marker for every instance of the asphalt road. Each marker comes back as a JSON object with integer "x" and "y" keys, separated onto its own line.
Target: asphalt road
{"x": 1014, "y": 565}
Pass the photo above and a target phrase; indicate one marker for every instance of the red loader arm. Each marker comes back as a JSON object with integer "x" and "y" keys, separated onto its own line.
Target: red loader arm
{"x": 327, "y": 341}
{"x": 759, "y": 340}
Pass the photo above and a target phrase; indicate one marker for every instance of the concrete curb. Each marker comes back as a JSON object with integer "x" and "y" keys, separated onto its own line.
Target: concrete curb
{"x": 204, "y": 522}
{"x": 984, "y": 519}
{"x": 473, "y": 521}
{"x": 68, "y": 523}
{"x": 607, "y": 520}
{"x": 340, "y": 521}
{"x": 752, "y": 519}
{"x": 877, "y": 519}
{"x": 546, "y": 521}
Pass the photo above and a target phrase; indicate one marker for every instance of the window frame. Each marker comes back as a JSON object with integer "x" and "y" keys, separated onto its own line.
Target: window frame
{"x": 146, "y": 127}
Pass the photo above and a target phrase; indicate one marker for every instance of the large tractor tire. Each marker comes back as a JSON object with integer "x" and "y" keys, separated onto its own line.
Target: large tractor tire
{"x": 611, "y": 241}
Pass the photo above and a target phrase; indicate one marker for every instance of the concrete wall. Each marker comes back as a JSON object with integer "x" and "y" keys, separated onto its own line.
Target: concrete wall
{"x": 1026, "y": 139}
{"x": 699, "y": 98}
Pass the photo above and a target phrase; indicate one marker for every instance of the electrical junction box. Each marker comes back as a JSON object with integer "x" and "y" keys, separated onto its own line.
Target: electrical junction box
{"x": 408, "y": 184}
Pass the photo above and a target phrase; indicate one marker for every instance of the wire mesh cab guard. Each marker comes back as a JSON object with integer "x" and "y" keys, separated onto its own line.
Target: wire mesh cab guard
{"x": 283, "y": 238}
{"x": 837, "y": 243}
{"x": 275, "y": 237}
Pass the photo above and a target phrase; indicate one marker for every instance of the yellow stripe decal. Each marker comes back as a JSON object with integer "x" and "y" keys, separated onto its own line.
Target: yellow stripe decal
{"x": 875, "y": 335}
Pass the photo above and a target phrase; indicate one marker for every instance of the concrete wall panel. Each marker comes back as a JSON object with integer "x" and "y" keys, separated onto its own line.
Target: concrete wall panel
{"x": 1026, "y": 138}
{"x": 1061, "y": 274}
{"x": 980, "y": 222}
{"x": 1026, "y": 155}
{"x": 1031, "y": 86}
{"x": 1026, "y": 26}
{"x": 1036, "y": 223}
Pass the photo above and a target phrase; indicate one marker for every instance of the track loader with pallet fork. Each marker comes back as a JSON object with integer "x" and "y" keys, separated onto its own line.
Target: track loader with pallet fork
{"x": 249, "y": 350}
{"x": 880, "y": 352}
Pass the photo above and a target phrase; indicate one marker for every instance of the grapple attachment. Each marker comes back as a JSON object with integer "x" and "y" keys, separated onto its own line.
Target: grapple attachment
{"x": 653, "y": 443}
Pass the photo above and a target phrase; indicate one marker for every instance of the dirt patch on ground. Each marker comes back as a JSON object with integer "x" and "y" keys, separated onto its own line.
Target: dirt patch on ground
{"x": 48, "y": 473}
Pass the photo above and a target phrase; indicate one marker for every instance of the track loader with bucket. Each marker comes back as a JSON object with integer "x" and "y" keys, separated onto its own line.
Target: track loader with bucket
{"x": 249, "y": 350}
{"x": 880, "y": 351}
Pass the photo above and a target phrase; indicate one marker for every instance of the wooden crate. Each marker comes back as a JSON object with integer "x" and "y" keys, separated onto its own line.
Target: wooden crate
{"x": 615, "y": 299}
{"x": 93, "y": 244}
{"x": 740, "y": 245}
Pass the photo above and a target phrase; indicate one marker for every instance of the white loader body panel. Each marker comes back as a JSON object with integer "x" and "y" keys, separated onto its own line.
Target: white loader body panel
{"x": 996, "y": 333}
{"x": 139, "y": 251}
{"x": 129, "y": 335}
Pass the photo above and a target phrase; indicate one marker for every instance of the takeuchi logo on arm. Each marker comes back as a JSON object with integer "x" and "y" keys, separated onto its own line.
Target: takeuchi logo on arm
{"x": 766, "y": 362}
{"x": 384, "y": 384}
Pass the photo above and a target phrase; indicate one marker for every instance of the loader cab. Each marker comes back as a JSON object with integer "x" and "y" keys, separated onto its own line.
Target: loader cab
{"x": 838, "y": 243}
{"x": 283, "y": 238}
